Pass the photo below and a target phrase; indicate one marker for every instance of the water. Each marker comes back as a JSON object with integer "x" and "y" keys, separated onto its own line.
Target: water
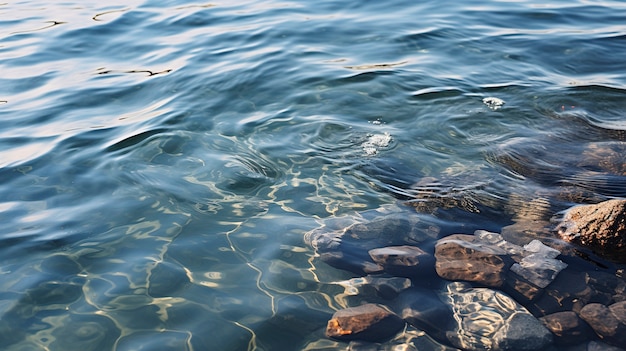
{"x": 160, "y": 161}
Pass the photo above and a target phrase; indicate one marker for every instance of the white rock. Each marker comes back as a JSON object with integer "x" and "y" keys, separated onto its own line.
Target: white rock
{"x": 538, "y": 269}
{"x": 537, "y": 247}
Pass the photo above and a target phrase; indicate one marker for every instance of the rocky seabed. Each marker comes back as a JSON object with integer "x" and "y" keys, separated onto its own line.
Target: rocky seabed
{"x": 479, "y": 291}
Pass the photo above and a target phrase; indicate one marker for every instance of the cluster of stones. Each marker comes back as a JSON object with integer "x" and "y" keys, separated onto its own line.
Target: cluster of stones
{"x": 492, "y": 294}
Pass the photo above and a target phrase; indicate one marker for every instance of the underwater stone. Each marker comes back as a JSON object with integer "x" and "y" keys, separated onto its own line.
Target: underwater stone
{"x": 369, "y": 322}
{"x": 465, "y": 257}
{"x": 344, "y": 242}
{"x": 600, "y": 346}
{"x": 567, "y": 327}
{"x": 487, "y": 319}
{"x": 351, "y": 261}
{"x": 540, "y": 267}
{"x": 522, "y": 289}
{"x": 323, "y": 241}
{"x": 406, "y": 261}
{"x": 539, "y": 248}
{"x": 522, "y": 332}
{"x": 570, "y": 291}
{"x": 608, "y": 322}
{"x": 387, "y": 288}
{"x": 423, "y": 309}
{"x": 607, "y": 157}
{"x": 498, "y": 240}
{"x": 538, "y": 270}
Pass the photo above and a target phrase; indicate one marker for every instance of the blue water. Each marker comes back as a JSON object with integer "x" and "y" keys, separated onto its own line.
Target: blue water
{"x": 160, "y": 161}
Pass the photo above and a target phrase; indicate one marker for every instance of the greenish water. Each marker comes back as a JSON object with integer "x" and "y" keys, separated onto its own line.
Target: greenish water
{"x": 160, "y": 161}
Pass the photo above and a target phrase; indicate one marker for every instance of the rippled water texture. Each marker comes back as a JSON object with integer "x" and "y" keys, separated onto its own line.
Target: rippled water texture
{"x": 160, "y": 161}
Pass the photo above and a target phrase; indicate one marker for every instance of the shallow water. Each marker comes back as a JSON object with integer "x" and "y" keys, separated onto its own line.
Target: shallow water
{"x": 161, "y": 161}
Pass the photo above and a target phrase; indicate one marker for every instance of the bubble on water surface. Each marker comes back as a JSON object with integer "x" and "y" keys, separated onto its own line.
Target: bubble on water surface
{"x": 375, "y": 142}
{"x": 493, "y": 103}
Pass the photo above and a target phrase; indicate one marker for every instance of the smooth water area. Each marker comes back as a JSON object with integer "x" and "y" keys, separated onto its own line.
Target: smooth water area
{"x": 160, "y": 161}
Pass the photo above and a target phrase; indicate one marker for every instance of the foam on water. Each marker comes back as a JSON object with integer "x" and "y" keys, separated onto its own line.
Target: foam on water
{"x": 376, "y": 142}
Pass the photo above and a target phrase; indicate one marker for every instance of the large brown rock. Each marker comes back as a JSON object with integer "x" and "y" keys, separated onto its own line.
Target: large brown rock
{"x": 608, "y": 322}
{"x": 600, "y": 227}
{"x": 369, "y": 322}
{"x": 467, "y": 258}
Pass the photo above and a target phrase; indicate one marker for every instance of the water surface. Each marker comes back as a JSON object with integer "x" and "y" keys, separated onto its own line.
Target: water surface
{"x": 160, "y": 161}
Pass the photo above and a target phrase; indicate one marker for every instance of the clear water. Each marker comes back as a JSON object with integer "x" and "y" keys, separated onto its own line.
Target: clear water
{"x": 160, "y": 161}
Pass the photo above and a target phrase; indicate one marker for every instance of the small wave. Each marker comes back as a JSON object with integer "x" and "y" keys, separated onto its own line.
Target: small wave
{"x": 133, "y": 140}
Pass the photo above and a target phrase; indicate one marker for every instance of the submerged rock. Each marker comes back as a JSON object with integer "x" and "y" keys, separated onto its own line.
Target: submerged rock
{"x": 486, "y": 258}
{"x": 405, "y": 261}
{"x": 385, "y": 287}
{"x": 473, "y": 316}
{"x": 369, "y": 322}
{"x": 530, "y": 215}
{"x": 490, "y": 320}
{"x": 466, "y": 257}
{"x": 600, "y": 227}
{"x": 568, "y": 328}
{"x": 462, "y": 192}
{"x": 423, "y": 309}
{"x": 572, "y": 290}
{"x": 600, "y": 346}
{"x": 344, "y": 242}
{"x": 540, "y": 267}
{"x": 608, "y": 322}
{"x": 609, "y": 157}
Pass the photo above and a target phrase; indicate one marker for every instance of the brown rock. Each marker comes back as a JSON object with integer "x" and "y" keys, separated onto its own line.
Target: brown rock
{"x": 607, "y": 322}
{"x": 465, "y": 257}
{"x": 567, "y": 327}
{"x": 600, "y": 227}
{"x": 369, "y": 322}
{"x": 619, "y": 311}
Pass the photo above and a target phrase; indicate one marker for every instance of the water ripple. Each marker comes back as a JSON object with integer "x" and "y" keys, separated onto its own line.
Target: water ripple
{"x": 160, "y": 161}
